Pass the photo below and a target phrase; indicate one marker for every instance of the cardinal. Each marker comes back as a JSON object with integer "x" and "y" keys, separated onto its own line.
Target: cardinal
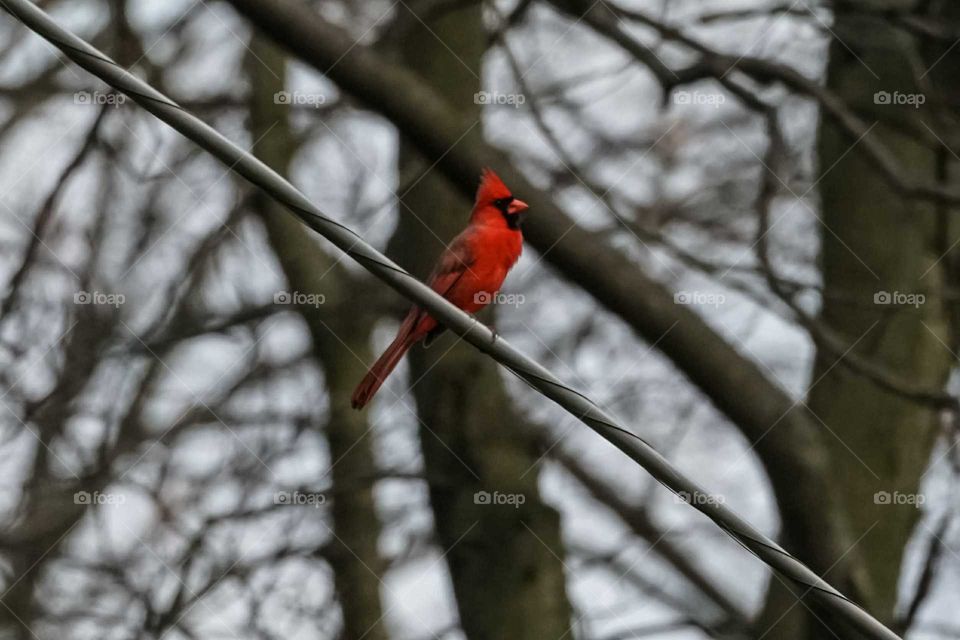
{"x": 468, "y": 274}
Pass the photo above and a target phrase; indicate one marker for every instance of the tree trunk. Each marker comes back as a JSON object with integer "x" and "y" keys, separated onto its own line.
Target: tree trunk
{"x": 505, "y": 560}
{"x": 340, "y": 333}
{"x": 884, "y": 293}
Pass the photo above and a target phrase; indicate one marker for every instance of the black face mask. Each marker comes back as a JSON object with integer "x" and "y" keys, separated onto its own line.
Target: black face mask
{"x": 514, "y": 220}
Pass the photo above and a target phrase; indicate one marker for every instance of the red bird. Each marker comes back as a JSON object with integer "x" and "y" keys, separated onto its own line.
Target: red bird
{"x": 468, "y": 274}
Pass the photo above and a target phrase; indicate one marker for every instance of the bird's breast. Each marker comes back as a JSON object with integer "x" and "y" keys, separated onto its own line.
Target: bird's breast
{"x": 499, "y": 250}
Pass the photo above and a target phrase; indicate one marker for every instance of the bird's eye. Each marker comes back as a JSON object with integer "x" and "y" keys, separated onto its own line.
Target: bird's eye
{"x": 503, "y": 203}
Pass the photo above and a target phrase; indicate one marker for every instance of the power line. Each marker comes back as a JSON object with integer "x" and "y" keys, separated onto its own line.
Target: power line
{"x": 474, "y": 332}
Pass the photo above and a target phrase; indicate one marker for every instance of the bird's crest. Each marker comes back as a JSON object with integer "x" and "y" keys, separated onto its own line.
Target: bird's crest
{"x": 491, "y": 187}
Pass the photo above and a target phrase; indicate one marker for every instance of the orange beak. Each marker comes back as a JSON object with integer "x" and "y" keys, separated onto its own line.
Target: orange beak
{"x": 517, "y": 206}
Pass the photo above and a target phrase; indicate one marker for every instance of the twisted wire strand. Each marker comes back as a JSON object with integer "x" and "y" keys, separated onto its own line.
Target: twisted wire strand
{"x": 576, "y": 403}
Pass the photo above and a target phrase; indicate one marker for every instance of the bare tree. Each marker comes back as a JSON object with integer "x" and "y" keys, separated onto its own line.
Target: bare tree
{"x": 741, "y": 240}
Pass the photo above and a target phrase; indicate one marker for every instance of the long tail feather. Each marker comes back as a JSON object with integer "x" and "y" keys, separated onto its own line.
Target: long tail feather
{"x": 385, "y": 364}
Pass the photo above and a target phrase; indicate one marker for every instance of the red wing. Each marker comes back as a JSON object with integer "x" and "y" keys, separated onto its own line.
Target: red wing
{"x": 453, "y": 263}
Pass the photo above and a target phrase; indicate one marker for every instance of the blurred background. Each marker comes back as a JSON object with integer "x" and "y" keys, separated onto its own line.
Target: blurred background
{"x": 742, "y": 242}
